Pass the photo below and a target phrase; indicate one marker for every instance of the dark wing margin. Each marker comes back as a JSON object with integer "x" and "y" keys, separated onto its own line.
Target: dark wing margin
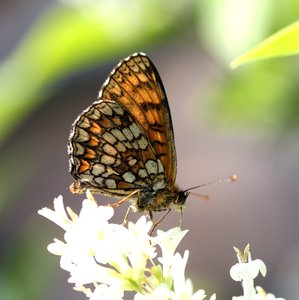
{"x": 136, "y": 85}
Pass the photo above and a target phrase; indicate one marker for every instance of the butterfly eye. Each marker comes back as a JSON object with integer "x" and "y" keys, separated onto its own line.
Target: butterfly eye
{"x": 182, "y": 197}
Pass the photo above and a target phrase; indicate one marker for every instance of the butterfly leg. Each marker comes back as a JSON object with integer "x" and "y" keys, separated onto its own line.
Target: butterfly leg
{"x": 126, "y": 216}
{"x": 181, "y": 217}
{"x": 155, "y": 225}
{"x": 118, "y": 203}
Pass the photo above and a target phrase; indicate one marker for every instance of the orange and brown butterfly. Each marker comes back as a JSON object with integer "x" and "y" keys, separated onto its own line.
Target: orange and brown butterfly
{"x": 123, "y": 144}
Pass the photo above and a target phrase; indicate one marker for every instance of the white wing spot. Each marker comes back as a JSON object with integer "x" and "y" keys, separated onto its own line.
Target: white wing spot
{"x": 110, "y": 183}
{"x": 109, "y": 171}
{"x": 118, "y": 134}
{"x": 84, "y": 122}
{"x": 159, "y": 185}
{"x": 132, "y": 162}
{"x": 142, "y": 173}
{"x": 99, "y": 181}
{"x": 135, "y": 130}
{"x": 98, "y": 169}
{"x": 109, "y": 149}
{"x": 128, "y": 133}
{"x": 107, "y": 110}
{"x": 151, "y": 167}
{"x": 86, "y": 177}
{"x": 128, "y": 145}
{"x": 107, "y": 160}
{"x": 110, "y": 138}
{"x": 135, "y": 145}
{"x": 94, "y": 114}
{"x": 142, "y": 142}
{"x": 129, "y": 177}
{"x": 140, "y": 183}
{"x": 160, "y": 167}
{"x": 78, "y": 149}
{"x": 120, "y": 147}
{"x": 82, "y": 135}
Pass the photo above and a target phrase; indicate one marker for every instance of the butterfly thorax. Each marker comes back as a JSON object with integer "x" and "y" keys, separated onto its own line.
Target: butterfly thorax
{"x": 151, "y": 200}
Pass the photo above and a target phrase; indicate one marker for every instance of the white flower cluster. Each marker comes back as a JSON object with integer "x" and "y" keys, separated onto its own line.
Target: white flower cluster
{"x": 105, "y": 259}
{"x": 245, "y": 271}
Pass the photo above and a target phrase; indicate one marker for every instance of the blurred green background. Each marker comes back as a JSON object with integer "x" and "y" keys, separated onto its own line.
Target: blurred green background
{"x": 55, "y": 55}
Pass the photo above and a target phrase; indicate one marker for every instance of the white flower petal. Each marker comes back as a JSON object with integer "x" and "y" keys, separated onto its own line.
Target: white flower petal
{"x": 58, "y": 215}
{"x": 213, "y": 297}
{"x": 178, "y": 274}
{"x": 105, "y": 292}
{"x": 137, "y": 244}
{"x": 159, "y": 293}
{"x": 243, "y": 271}
{"x": 168, "y": 242}
{"x": 200, "y": 295}
{"x": 57, "y": 248}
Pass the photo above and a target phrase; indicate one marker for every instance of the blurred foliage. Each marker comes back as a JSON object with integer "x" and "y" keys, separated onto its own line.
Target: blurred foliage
{"x": 283, "y": 43}
{"x": 276, "y": 101}
{"x": 260, "y": 96}
{"x": 25, "y": 269}
{"x": 73, "y": 35}
{"x": 264, "y": 97}
{"x": 229, "y": 27}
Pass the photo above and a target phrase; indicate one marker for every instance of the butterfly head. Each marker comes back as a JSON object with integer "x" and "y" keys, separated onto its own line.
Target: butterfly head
{"x": 182, "y": 197}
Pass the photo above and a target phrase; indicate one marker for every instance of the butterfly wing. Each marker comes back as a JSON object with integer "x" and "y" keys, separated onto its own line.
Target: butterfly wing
{"x": 136, "y": 85}
{"x": 110, "y": 153}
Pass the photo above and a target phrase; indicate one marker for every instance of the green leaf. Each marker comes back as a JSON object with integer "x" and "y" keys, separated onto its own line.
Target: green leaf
{"x": 72, "y": 37}
{"x": 283, "y": 43}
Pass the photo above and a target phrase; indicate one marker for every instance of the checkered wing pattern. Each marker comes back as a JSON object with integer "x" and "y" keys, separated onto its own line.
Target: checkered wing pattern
{"x": 124, "y": 141}
{"x": 111, "y": 153}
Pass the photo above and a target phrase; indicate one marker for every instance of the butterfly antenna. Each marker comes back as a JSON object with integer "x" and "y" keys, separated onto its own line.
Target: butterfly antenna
{"x": 225, "y": 180}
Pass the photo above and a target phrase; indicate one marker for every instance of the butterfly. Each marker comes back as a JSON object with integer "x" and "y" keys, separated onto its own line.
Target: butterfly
{"x": 123, "y": 146}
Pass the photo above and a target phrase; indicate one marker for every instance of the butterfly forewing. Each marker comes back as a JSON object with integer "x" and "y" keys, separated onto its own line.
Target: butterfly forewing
{"x": 136, "y": 85}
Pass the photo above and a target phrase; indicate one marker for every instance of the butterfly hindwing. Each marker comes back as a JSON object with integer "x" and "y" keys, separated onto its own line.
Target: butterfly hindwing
{"x": 110, "y": 152}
